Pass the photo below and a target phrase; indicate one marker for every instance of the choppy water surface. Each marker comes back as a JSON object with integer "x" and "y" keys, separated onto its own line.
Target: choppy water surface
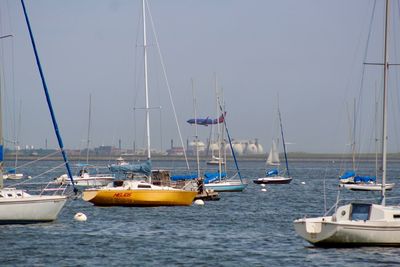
{"x": 252, "y": 228}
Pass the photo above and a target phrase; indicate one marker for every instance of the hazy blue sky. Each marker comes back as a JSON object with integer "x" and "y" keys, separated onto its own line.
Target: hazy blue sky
{"x": 310, "y": 52}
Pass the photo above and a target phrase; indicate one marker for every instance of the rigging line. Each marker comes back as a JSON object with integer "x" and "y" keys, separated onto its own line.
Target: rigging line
{"x": 230, "y": 143}
{"x": 168, "y": 86}
{"x": 39, "y": 175}
{"x": 396, "y": 80}
{"x": 360, "y": 93}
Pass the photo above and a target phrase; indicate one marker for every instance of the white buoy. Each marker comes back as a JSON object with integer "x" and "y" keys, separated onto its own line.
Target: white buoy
{"x": 264, "y": 190}
{"x": 263, "y": 185}
{"x": 29, "y": 177}
{"x": 199, "y": 202}
{"x": 80, "y": 217}
{"x": 303, "y": 182}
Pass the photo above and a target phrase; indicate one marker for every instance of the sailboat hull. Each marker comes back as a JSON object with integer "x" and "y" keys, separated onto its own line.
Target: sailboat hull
{"x": 226, "y": 186}
{"x": 31, "y": 209}
{"x": 139, "y": 197}
{"x": 324, "y": 233}
{"x": 273, "y": 180}
{"x": 367, "y": 187}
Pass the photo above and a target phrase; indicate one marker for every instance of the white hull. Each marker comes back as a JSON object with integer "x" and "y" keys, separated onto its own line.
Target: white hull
{"x": 17, "y": 206}
{"x": 86, "y": 180}
{"x": 367, "y": 187}
{"x": 13, "y": 176}
{"x": 383, "y": 229}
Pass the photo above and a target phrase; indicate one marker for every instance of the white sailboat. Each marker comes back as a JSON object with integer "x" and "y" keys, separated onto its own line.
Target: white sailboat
{"x": 85, "y": 175}
{"x": 17, "y": 206}
{"x": 140, "y": 192}
{"x": 274, "y": 175}
{"x": 358, "y": 224}
{"x": 219, "y": 182}
{"x": 350, "y": 179}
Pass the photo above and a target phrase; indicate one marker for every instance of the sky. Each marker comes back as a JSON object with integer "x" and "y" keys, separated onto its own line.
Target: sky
{"x": 308, "y": 52}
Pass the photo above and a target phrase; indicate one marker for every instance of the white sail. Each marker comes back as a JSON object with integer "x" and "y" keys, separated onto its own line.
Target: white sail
{"x": 273, "y": 157}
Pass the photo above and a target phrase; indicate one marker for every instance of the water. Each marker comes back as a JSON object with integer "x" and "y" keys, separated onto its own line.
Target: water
{"x": 252, "y": 228}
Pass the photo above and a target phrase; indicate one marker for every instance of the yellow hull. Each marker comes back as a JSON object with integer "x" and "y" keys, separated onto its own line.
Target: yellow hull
{"x": 139, "y": 197}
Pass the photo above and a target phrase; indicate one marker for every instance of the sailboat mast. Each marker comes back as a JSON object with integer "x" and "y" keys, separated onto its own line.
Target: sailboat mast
{"x": 1, "y": 128}
{"x": 196, "y": 132}
{"x": 385, "y": 83}
{"x": 353, "y": 143}
{"x": 88, "y": 131}
{"x": 146, "y": 85}
{"x": 218, "y": 130}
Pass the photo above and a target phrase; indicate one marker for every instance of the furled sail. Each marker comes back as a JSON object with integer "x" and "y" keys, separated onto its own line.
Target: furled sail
{"x": 273, "y": 157}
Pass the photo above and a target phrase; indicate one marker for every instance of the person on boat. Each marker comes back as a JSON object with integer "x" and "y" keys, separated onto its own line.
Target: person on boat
{"x": 200, "y": 185}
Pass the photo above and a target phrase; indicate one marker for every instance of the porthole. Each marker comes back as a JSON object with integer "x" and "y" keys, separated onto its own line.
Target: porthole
{"x": 343, "y": 212}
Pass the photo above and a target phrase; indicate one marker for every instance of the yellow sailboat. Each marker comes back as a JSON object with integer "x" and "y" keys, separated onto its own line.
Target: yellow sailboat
{"x": 140, "y": 193}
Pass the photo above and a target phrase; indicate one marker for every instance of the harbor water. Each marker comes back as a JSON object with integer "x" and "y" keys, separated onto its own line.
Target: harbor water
{"x": 251, "y": 228}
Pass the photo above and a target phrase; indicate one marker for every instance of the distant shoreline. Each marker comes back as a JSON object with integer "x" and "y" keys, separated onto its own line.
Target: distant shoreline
{"x": 292, "y": 157}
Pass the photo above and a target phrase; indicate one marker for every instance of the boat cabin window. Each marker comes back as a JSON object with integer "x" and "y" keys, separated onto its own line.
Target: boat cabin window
{"x": 360, "y": 212}
{"x": 118, "y": 183}
{"x": 1, "y": 195}
{"x": 10, "y": 195}
{"x": 144, "y": 186}
{"x": 396, "y": 216}
{"x": 19, "y": 194}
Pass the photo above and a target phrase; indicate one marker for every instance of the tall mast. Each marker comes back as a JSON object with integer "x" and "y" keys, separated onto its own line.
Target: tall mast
{"x": 1, "y": 129}
{"x": 88, "y": 131}
{"x": 385, "y": 83}
{"x": 146, "y": 85}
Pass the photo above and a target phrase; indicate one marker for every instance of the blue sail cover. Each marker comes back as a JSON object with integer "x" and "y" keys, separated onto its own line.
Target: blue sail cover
{"x": 210, "y": 177}
{"x": 184, "y": 177}
{"x": 348, "y": 174}
{"x": 365, "y": 179}
{"x": 144, "y": 168}
{"x": 271, "y": 172}
{"x": 10, "y": 170}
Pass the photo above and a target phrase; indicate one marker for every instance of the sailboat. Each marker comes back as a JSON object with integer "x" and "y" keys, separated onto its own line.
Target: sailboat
{"x": 140, "y": 192}
{"x": 218, "y": 181}
{"x": 85, "y": 177}
{"x": 16, "y": 205}
{"x": 359, "y": 224}
{"x": 274, "y": 176}
{"x": 351, "y": 180}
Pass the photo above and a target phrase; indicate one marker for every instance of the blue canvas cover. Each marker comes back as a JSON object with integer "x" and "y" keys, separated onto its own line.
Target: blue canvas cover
{"x": 365, "y": 179}
{"x": 272, "y": 172}
{"x": 210, "y": 177}
{"x": 348, "y": 174}
{"x": 10, "y": 170}
{"x": 144, "y": 168}
{"x": 184, "y": 177}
